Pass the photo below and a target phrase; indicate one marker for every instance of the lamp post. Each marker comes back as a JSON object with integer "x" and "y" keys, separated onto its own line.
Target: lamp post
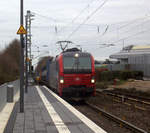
{"x": 21, "y": 62}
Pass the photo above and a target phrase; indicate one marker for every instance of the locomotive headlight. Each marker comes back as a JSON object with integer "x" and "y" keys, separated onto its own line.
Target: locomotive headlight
{"x": 76, "y": 55}
{"x": 92, "y": 80}
{"x": 61, "y": 81}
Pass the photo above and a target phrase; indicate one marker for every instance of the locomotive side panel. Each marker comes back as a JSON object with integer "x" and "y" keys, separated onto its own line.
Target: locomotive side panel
{"x": 49, "y": 74}
{"x": 53, "y": 76}
{"x": 43, "y": 73}
{"x": 48, "y": 71}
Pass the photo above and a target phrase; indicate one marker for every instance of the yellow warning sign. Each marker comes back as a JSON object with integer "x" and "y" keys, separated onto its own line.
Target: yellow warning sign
{"x": 21, "y": 30}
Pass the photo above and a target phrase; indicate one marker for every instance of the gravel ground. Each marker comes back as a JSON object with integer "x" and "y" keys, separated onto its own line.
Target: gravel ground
{"x": 139, "y": 85}
{"x": 136, "y": 117}
{"x": 103, "y": 122}
{"x": 132, "y": 92}
{"x": 131, "y": 102}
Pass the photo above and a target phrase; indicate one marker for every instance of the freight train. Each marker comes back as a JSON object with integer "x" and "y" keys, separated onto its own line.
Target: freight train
{"x": 71, "y": 74}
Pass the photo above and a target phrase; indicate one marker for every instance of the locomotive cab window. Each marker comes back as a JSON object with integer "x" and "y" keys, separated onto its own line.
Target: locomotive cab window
{"x": 77, "y": 65}
{"x": 85, "y": 62}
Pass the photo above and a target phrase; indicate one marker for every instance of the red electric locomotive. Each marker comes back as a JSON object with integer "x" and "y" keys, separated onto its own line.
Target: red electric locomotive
{"x": 72, "y": 74}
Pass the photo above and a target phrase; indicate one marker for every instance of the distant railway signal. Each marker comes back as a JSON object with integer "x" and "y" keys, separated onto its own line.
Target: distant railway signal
{"x": 27, "y": 59}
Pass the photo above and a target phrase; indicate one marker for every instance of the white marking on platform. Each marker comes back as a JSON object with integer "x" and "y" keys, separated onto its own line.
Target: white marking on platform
{"x": 83, "y": 118}
{"x": 61, "y": 127}
{"x": 6, "y": 112}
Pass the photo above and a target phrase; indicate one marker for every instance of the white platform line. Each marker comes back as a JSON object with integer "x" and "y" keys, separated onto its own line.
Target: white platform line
{"x": 61, "y": 127}
{"x": 6, "y": 113}
{"x": 83, "y": 118}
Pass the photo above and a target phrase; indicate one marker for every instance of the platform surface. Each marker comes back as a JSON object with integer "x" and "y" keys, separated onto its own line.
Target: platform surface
{"x": 45, "y": 112}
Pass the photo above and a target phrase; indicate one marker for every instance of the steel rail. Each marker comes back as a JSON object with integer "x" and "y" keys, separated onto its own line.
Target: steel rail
{"x": 131, "y": 95}
{"x": 125, "y": 97}
{"x": 117, "y": 119}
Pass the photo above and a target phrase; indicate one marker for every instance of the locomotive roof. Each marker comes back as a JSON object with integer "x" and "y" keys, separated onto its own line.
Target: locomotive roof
{"x": 73, "y": 53}
{"x": 71, "y": 50}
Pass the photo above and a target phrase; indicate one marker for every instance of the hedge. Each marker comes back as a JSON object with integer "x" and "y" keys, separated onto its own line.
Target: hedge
{"x": 122, "y": 75}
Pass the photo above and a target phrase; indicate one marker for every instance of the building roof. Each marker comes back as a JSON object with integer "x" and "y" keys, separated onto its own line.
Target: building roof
{"x": 141, "y": 47}
{"x": 131, "y": 50}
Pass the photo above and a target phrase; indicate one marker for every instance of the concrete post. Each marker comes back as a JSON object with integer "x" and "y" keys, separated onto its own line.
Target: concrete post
{"x": 10, "y": 93}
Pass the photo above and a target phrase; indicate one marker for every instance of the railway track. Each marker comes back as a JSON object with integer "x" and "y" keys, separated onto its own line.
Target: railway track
{"x": 142, "y": 98}
{"x": 128, "y": 100}
{"x": 116, "y": 119}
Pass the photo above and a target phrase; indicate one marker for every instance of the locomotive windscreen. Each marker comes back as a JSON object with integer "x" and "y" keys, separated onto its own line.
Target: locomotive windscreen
{"x": 77, "y": 65}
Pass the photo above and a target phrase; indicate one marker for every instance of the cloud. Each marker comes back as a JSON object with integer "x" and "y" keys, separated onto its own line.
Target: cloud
{"x": 114, "y": 12}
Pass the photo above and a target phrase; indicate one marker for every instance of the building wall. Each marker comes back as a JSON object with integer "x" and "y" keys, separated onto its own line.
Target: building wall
{"x": 138, "y": 58}
{"x": 141, "y": 67}
{"x": 123, "y": 61}
{"x": 141, "y": 63}
{"x": 116, "y": 67}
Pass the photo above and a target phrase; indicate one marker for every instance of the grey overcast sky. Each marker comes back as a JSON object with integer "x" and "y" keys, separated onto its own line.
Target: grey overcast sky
{"x": 116, "y": 22}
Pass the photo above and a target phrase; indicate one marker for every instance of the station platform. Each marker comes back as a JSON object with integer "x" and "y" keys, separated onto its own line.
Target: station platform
{"x": 46, "y": 112}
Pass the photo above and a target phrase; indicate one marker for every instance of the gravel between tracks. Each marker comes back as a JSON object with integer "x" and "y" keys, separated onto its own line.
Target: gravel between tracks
{"x": 103, "y": 122}
{"x": 136, "y": 117}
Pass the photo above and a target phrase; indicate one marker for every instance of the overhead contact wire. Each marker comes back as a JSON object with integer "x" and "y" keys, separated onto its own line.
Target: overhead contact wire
{"x": 87, "y": 18}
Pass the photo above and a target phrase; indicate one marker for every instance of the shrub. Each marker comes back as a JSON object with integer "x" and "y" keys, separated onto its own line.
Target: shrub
{"x": 116, "y": 74}
{"x": 106, "y": 76}
{"x": 131, "y": 74}
{"x": 126, "y": 75}
{"x": 9, "y": 62}
{"x": 101, "y": 85}
{"x": 137, "y": 74}
{"x": 122, "y": 75}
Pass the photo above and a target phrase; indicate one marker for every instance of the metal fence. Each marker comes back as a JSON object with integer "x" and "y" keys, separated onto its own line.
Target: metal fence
{"x": 116, "y": 67}
{"x": 3, "y": 92}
